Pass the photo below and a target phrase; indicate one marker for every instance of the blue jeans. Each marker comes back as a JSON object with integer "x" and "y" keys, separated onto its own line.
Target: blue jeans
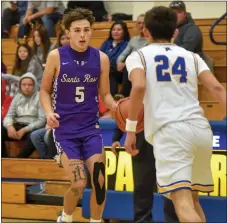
{"x": 49, "y": 21}
{"x": 38, "y": 140}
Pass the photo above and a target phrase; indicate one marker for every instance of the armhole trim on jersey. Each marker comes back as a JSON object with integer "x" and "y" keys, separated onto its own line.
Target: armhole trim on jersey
{"x": 142, "y": 60}
{"x": 196, "y": 64}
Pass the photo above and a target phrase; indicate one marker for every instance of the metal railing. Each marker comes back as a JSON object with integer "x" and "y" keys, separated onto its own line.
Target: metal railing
{"x": 224, "y": 16}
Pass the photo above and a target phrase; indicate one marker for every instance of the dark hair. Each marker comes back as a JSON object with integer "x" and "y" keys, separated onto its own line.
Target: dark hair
{"x": 45, "y": 42}
{"x": 60, "y": 34}
{"x": 126, "y": 36}
{"x": 20, "y": 67}
{"x": 77, "y": 14}
{"x": 161, "y": 22}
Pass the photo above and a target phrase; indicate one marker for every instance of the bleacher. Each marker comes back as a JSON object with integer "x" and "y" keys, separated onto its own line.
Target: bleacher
{"x": 21, "y": 174}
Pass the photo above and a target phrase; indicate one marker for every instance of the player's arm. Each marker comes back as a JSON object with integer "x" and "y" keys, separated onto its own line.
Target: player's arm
{"x": 47, "y": 81}
{"x": 104, "y": 83}
{"x": 208, "y": 80}
{"x": 137, "y": 77}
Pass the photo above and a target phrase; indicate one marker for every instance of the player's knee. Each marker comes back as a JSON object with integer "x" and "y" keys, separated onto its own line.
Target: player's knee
{"x": 79, "y": 184}
{"x": 98, "y": 183}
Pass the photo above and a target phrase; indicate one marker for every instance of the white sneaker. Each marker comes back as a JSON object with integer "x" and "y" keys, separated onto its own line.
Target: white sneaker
{"x": 59, "y": 219}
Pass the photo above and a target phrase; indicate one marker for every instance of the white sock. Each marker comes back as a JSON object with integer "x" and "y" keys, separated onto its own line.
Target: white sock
{"x": 66, "y": 218}
{"x": 93, "y": 220}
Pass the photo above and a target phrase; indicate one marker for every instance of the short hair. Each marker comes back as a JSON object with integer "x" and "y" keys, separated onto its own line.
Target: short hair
{"x": 161, "y": 22}
{"x": 77, "y": 14}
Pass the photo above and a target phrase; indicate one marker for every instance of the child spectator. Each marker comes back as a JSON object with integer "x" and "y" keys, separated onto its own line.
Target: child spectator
{"x": 24, "y": 116}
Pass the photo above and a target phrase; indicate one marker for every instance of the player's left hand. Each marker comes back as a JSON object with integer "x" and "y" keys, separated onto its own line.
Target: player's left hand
{"x": 130, "y": 144}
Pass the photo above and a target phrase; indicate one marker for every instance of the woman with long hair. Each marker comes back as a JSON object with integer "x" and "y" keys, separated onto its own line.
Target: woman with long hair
{"x": 113, "y": 46}
{"x": 62, "y": 40}
{"x": 42, "y": 44}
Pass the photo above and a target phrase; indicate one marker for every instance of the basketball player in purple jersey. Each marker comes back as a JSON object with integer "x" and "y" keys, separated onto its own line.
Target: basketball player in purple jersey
{"x": 74, "y": 75}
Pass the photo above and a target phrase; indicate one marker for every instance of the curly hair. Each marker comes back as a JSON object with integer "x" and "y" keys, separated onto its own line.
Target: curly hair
{"x": 77, "y": 14}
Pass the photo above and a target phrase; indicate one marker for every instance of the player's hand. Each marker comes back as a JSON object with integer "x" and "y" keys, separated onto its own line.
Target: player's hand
{"x": 130, "y": 144}
{"x": 52, "y": 121}
{"x": 114, "y": 146}
{"x": 12, "y": 133}
{"x": 120, "y": 66}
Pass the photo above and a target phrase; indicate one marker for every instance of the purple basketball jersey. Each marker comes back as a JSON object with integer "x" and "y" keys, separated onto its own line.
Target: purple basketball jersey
{"x": 75, "y": 93}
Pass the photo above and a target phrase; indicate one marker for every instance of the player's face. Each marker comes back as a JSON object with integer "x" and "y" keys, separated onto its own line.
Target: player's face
{"x": 79, "y": 34}
{"x": 181, "y": 15}
{"x": 117, "y": 32}
{"x": 22, "y": 53}
{"x": 140, "y": 24}
{"x": 37, "y": 38}
{"x": 27, "y": 86}
{"x": 64, "y": 40}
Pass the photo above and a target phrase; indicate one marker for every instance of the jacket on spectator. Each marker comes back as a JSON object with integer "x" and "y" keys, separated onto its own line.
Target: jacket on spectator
{"x": 113, "y": 52}
{"x": 26, "y": 110}
{"x": 190, "y": 36}
{"x": 6, "y": 100}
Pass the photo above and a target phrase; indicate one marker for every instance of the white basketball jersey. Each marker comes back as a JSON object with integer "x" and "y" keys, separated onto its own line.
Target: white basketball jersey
{"x": 171, "y": 86}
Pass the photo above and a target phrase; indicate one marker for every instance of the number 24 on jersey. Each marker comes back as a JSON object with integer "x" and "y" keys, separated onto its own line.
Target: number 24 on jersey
{"x": 163, "y": 68}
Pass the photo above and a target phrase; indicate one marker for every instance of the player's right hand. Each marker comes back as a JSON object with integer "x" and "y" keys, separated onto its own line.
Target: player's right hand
{"x": 114, "y": 146}
{"x": 120, "y": 66}
{"x": 52, "y": 121}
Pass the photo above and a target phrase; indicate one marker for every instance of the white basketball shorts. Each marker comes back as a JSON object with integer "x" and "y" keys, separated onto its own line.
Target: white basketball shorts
{"x": 183, "y": 154}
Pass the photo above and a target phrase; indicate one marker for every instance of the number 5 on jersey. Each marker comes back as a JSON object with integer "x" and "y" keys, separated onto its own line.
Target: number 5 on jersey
{"x": 79, "y": 94}
{"x": 178, "y": 68}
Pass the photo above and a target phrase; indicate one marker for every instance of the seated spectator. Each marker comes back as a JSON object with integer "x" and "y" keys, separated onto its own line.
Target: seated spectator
{"x": 49, "y": 12}
{"x": 62, "y": 40}
{"x": 6, "y": 100}
{"x": 12, "y": 16}
{"x": 42, "y": 139}
{"x": 42, "y": 44}
{"x": 190, "y": 36}
{"x": 24, "y": 116}
{"x": 97, "y": 7}
{"x": 134, "y": 44}
{"x": 113, "y": 47}
{"x": 26, "y": 62}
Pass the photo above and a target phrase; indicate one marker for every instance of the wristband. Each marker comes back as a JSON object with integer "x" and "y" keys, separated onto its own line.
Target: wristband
{"x": 130, "y": 125}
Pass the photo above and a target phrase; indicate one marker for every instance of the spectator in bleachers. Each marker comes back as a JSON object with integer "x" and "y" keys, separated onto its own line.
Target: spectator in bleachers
{"x": 113, "y": 47}
{"x": 6, "y": 100}
{"x": 42, "y": 44}
{"x": 62, "y": 40}
{"x": 190, "y": 36}
{"x": 12, "y": 16}
{"x": 135, "y": 43}
{"x": 24, "y": 116}
{"x": 25, "y": 62}
{"x": 50, "y": 12}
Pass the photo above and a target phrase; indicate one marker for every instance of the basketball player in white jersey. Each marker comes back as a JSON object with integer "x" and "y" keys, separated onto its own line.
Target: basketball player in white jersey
{"x": 165, "y": 79}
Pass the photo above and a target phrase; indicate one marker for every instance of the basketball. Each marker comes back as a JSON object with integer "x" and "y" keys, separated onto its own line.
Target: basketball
{"x": 122, "y": 115}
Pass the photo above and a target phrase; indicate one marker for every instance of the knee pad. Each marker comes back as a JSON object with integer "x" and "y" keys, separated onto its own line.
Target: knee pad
{"x": 99, "y": 168}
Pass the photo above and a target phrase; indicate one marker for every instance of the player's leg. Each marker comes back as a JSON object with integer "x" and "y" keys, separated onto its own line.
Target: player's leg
{"x": 201, "y": 171}
{"x": 174, "y": 159}
{"x": 74, "y": 168}
{"x": 95, "y": 160}
{"x": 184, "y": 206}
{"x": 75, "y": 171}
{"x": 198, "y": 208}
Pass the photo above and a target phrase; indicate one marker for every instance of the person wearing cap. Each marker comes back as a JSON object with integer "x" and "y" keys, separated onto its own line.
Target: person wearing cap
{"x": 190, "y": 36}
